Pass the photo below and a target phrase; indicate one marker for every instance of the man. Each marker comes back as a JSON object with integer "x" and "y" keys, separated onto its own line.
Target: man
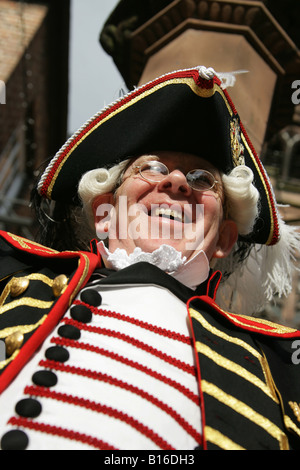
{"x": 125, "y": 346}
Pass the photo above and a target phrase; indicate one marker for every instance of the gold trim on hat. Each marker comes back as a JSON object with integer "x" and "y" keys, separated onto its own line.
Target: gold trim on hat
{"x": 262, "y": 177}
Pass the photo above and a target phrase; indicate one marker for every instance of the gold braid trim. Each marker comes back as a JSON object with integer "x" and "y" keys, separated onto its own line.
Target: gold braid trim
{"x": 4, "y": 363}
{"x": 82, "y": 278}
{"x": 26, "y": 301}
{"x": 239, "y": 342}
{"x": 24, "y": 243}
{"x": 235, "y": 368}
{"x": 217, "y": 438}
{"x": 231, "y": 339}
{"x": 21, "y": 328}
{"x": 246, "y": 411}
{"x": 238, "y": 320}
{"x": 290, "y": 425}
{"x": 30, "y": 277}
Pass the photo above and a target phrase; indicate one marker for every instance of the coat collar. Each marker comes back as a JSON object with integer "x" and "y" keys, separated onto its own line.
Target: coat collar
{"x": 9, "y": 264}
{"x": 146, "y": 273}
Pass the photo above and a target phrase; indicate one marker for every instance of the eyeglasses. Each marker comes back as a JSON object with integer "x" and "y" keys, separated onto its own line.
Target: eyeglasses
{"x": 155, "y": 171}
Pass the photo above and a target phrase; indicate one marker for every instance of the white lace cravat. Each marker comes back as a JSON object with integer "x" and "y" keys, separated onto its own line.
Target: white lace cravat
{"x": 191, "y": 273}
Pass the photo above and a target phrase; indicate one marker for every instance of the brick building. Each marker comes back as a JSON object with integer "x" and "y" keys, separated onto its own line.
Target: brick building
{"x": 34, "y": 43}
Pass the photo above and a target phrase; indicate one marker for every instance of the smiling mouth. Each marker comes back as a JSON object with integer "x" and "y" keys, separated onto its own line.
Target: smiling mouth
{"x": 167, "y": 213}
{"x": 175, "y": 212}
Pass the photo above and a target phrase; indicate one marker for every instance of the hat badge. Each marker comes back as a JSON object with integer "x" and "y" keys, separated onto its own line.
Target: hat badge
{"x": 237, "y": 148}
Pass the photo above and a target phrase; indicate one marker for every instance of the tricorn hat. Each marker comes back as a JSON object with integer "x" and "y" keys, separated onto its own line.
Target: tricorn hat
{"x": 188, "y": 111}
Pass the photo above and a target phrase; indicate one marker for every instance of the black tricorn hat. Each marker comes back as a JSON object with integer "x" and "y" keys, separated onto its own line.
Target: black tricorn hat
{"x": 187, "y": 111}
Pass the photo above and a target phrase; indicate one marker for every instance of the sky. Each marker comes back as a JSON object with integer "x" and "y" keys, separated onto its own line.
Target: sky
{"x": 94, "y": 80}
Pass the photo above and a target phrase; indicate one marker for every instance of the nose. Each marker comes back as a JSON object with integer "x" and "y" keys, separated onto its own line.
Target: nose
{"x": 175, "y": 182}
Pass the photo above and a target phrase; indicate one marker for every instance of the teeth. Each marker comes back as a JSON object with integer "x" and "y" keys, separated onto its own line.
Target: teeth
{"x": 169, "y": 213}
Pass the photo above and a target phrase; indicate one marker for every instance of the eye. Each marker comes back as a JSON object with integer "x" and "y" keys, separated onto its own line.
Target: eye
{"x": 201, "y": 180}
{"x": 153, "y": 171}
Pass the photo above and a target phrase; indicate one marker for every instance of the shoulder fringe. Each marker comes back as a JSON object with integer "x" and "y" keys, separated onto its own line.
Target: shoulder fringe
{"x": 266, "y": 274}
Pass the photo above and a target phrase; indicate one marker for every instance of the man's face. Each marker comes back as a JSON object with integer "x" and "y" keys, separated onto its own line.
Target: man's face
{"x": 148, "y": 214}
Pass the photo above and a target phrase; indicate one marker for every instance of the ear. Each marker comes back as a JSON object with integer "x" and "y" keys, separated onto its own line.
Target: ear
{"x": 102, "y": 207}
{"x": 228, "y": 235}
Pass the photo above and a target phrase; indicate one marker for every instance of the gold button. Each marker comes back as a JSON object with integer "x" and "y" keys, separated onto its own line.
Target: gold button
{"x": 18, "y": 286}
{"x": 59, "y": 285}
{"x": 13, "y": 342}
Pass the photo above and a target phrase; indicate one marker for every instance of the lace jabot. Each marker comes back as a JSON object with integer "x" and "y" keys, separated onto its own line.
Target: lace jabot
{"x": 191, "y": 273}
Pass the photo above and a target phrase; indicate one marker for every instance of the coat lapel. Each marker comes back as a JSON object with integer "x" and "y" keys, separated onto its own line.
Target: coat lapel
{"x": 50, "y": 282}
{"x": 242, "y": 407}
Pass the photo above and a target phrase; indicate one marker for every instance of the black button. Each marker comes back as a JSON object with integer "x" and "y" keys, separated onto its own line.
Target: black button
{"x": 28, "y": 408}
{"x": 81, "y": 313}
{"x": 69, "y": 332}
{"x": 91, "y": 297}
{"x": 44, "y": 378}
{"x": 14, "y": 440}
{"x": 57, "y": 353}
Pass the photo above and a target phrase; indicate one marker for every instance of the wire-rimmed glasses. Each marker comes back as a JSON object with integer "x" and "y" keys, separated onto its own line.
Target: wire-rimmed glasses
{"x": 156, "y": 171}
